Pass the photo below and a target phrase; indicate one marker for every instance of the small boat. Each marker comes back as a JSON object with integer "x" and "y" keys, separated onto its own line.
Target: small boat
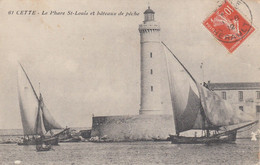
{"x": 52, "y": 141}
{"x": 195, "y": 107}
{"x": 40, "y": 148}
{"x": 36, "y": 118}
{"x": 41, "y": 145}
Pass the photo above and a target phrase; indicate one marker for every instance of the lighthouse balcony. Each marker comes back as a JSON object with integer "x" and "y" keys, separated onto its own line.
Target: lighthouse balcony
{"x": 144, "y": 27}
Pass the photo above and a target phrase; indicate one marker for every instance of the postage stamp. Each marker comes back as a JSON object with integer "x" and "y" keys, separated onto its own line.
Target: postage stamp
{"x": 228, "y": 26}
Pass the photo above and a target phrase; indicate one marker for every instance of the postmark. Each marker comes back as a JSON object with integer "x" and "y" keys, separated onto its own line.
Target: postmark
{"x": 228, "y": 25}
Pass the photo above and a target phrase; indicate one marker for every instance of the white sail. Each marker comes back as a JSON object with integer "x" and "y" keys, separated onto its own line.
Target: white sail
{"x": 195, "y": 106}
{"x": 48, "y": 120}
{"x": 184, "y": 95}
{"x": 219, "y": 112}
{"x": 36, "y": 118}
{"x": 28, "y": 103}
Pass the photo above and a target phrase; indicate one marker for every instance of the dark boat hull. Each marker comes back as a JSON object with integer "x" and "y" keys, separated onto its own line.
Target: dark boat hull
{"x": 48, "y": 141}
{"x": 221, "y": 138}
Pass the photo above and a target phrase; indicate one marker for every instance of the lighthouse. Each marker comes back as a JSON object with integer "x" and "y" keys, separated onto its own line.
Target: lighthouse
{"x": 155, "y": 119}
{"x": 151, "y": 61}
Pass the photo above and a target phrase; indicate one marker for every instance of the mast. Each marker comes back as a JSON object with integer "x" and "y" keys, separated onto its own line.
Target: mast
{"x": 38, "y": 118}
{"x": 29, "y": 81}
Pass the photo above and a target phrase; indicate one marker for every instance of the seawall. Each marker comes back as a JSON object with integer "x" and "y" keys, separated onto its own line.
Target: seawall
{"x": 133, "y": 128}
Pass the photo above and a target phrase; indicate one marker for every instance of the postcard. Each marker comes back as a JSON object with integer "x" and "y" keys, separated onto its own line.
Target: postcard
{"x": 129, "y": 82}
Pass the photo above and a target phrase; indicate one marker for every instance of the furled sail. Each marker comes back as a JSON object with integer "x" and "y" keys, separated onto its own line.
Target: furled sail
{"x": 194, "y": 106}
{"x": 48, "y": 120}
{"x": 28, "y": 103}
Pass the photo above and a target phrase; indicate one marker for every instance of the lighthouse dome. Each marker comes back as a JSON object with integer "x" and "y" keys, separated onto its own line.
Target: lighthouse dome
{"x": 148, "y": 11}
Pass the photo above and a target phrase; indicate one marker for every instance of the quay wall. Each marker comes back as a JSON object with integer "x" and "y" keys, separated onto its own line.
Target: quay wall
{"x": 133, "y": 128}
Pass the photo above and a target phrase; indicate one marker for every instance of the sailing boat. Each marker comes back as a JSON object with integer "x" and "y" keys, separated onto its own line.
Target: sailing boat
{"x": 36, "y": 119}
{"x": 197, "y": 107}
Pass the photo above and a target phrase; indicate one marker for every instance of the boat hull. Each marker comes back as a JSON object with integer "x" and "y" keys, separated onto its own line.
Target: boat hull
{"x": 48, "y": 141}
{"x": 222, "y": 138}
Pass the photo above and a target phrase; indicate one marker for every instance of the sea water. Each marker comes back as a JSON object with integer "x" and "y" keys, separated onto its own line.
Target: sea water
{"x": 244, "y": 151}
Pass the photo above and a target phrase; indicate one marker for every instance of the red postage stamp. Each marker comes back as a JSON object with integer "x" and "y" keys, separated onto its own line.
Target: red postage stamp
{"x": 228, "y": 26}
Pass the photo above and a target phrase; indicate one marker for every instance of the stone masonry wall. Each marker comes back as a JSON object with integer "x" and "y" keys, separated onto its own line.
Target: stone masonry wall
{"x": 131, "y": 128}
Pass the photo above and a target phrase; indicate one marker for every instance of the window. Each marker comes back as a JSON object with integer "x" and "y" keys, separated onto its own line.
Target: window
{"x": 240, "y": 95}
{"x": 151, "y": 88}
{"x": 151, "y": 71}
{"x": 149, "y": 17}
{"x": 258, "y": 94}
{"x": 224, "y": 95}
{"x": 151, "y": 55}
{"x": 258, "y": 108}
{"x": 241, "y": 108}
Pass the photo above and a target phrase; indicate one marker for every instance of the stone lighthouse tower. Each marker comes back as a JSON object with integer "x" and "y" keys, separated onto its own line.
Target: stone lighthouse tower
{"x": 153, "y": 122}
{"x": 151, "y": 61}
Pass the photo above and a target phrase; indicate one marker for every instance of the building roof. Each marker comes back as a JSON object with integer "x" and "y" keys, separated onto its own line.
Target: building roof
{"x": 149, "y": 11}
{"x": 234, "y": 86}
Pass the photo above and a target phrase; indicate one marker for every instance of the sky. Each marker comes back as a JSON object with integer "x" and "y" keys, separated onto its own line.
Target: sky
{"x": 91, "y": 64}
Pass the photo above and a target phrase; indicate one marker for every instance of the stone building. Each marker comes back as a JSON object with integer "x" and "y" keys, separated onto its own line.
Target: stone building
{"x": 244, "y": 96}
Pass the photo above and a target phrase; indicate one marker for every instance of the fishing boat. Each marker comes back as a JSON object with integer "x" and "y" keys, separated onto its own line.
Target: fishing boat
{"x": 36, "y": 118}
{"x": 195, "y": 107}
